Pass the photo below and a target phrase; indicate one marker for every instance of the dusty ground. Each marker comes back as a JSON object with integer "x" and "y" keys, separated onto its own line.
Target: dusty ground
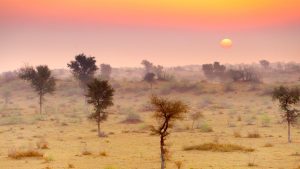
{"x": 130, "y": 146}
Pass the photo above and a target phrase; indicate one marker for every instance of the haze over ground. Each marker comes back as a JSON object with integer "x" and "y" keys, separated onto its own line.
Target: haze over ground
{"x": 170, "y": 33}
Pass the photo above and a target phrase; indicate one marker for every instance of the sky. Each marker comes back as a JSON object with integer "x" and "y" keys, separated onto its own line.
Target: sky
{"x": 167, "y": 32}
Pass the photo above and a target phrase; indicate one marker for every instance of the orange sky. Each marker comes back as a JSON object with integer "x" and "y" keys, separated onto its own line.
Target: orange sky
{"x": 34, "y": 31}
{"x": 193, "y": 14}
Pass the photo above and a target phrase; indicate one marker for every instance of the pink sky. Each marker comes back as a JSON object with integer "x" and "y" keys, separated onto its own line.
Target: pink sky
{"x": 124, "y": 32}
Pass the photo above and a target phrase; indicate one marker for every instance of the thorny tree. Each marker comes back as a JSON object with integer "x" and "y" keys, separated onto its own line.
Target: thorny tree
{"x": 166, "y": 112}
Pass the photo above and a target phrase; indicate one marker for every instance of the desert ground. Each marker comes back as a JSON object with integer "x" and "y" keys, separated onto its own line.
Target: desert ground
{"x": 242, "y": 114}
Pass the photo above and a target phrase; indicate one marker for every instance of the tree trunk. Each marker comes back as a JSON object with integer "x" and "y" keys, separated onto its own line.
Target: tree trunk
{"x": 193, "y": 124}
{"x": 41, "y": 103}
{"x": 99, "y": 131}
{"x": 289, "y": 132}
{"x": 151, "y": 88}
{"x": 162, "y": 153}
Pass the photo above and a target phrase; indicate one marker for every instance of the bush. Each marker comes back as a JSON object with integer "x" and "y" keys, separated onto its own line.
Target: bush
{"x": 216, "y": 147}
{"x": 253, "y": 134}
{"x": 265, "y": 120}
{"x": 132, "y": 118}
{"x": 205, "y": 128}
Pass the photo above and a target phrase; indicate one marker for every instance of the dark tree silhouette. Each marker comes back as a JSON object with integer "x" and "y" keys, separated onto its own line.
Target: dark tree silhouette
{"x": 214, "y": 70}
{"x": 83, "y": 68}
{"x": 100, "y": 95}
{"x": 150, "y": 78}
{"x": 264, "y": 63}
{"x": 105, "y": 71}
{"x": 41, "y": 80}
{"x": 288, "y": 97}
{"x": 244, "y": 75}
{"x": 166, "y": 112}
{"x": 148, "y": 66}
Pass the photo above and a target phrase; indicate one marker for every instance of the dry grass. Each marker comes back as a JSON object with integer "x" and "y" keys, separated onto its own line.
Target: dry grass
{"x": 250, "y": 164}
{"x": 86, "y": 152}
{"x": 268, "y": 145}
{"x": 71, "y": 166}
{"x": 178, "y": 164}
{"x": 42, "y": 144}
{"x": 237, "y": 134}
{"x": 254, "y": 134}
{"x": 103, "y": 154}
{"x": 219, "y": 147}
{"x": 19, "y": 153}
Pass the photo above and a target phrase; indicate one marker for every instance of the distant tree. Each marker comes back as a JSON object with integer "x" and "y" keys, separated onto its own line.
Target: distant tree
{"x": 6, "y": 96}
{"x": 148, "y": 66}
{"x": 288, "y": 98}
{"x": 166, "y": 112}
{"x": 100, "y": 95}
{"x": 150, "y": 78}
{"x": 158, "y": 70}
{"x": 236, "y": 75}
{"x": 219, "y": 69}
{"x": 264, "y": 63}
{"x": 214, "y": 70}
{"x": 9, "y": 76}
{"x": 244, "y": 75}
{"x": 83, "y": 68}
{"x": 208, "y": 70}
{"x": 41, "y": 80}
{"x": 105, "y": 71}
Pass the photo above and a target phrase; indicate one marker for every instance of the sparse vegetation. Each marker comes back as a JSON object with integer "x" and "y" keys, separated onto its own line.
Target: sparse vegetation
{"x": 217, "y": 147}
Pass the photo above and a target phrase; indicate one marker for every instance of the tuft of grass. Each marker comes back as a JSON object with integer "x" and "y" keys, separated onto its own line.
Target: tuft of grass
{"x": 48, "y": 158}
{"x": 237, "y": 134}
{"x": 71, "y": 166}
{"x": 103, "y": 154}
{"x": 268, "y": 145}
{"x": 178, "y": 164}
{"x": 19, "y": 153}
{"x": 132, "y": 118}
{"x": 254, "y": 134}
{"x": 42, "y": 144}
{"x": 109, "y": 167}
{"x": 205, "y": 128}
{"x": 295, "y": 154}
{"x": 86, "y": 152}
{"x": 250, "y": 164}
{"x": 216, "y": 147}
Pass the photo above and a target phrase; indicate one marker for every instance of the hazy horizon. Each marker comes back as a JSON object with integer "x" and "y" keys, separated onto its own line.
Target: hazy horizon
{"x": 170, "y": 33}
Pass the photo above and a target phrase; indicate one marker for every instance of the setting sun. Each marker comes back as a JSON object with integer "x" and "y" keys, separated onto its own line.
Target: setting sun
{"x": 226, "y": 43}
